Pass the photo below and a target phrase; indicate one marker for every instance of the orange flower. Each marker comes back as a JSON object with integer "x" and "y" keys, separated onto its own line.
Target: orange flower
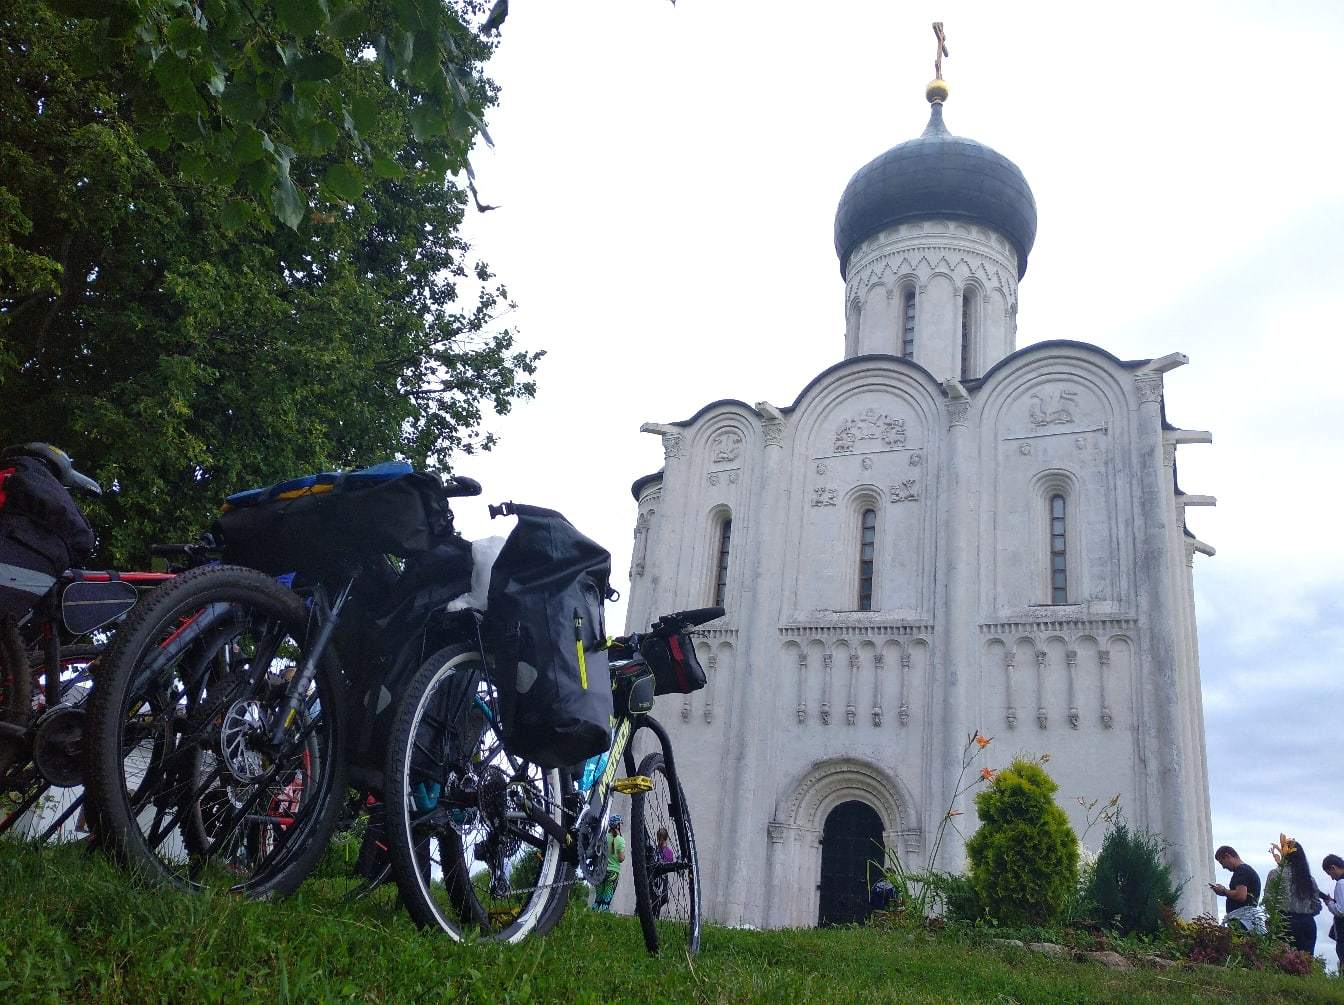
{"x": 987, "y": 774}
{"x": 983, "y": 741}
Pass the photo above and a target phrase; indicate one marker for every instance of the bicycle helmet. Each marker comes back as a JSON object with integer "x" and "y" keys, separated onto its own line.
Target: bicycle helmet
{"x": 614, "y": 821}
{"x": 60, "y": 464}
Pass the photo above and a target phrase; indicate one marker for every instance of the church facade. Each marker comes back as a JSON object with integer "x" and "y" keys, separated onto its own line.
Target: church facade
{"x": 941, "y": 534}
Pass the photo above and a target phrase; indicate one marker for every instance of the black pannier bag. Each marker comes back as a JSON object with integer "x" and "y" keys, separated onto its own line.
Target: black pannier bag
{"x": 332, "y": 520}
{"x": 382, "y": 641}
{"x": 547, "y": 633}
{"x": 42, "y": 533}
{"x": 676, "y": 668}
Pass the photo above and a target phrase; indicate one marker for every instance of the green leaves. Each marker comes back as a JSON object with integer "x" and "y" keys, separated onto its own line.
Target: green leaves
{"x": 427, "y": 121}
{"x": 343, "y": 183}
{"x": 321, "y": 66}
{"x": 301, "y": 17}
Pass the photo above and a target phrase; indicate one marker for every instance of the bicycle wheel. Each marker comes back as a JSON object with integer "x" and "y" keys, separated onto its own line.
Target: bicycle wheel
{"x": 184, "y": 781}
{"x": 667, "y": 874}
{"x": 466, "y": 845}
{"x": 16, "y": 696}
{"x": 51, "y": 756}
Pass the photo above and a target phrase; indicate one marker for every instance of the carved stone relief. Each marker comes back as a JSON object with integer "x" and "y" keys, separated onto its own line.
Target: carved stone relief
{"x": 773, "y": 430}
{"x": 822, "y": 496}
{"x": 1149, "y": 388}
{"x": 870, "y": 424}
{"x": 1051, "y": 410}
{"x": 906, "y": 491}
{"x": 639, "y": 553}
{"x": 957, "y": 412}
{"x": 725, "y": 448}
{"x": 671, "y": 446}
{"x": 867, "y": 464}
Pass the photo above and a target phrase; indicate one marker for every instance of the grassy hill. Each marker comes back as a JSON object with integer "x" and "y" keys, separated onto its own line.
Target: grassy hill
{"x": 75, "y": 930}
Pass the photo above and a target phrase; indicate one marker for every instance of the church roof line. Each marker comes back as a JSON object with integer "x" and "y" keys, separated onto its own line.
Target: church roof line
{"x": 972, "y": 383}
{"x": 639, "y": 484}
{"x": 1058, "y": 343}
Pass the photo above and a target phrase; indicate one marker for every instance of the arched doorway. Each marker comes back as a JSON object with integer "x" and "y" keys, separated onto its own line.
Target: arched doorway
{"x": 851, "y": 838}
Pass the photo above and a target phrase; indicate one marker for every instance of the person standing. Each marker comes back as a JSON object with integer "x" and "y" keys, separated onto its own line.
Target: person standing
{"x": 1295, "y": 893}
{"x": 1242, "y": 892}
{"x": 615, "y": 856}
{"x": 1334, "y": 868}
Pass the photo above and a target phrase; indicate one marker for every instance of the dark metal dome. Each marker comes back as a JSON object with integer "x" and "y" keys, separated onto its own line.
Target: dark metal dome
{"x": 937, "y": 176}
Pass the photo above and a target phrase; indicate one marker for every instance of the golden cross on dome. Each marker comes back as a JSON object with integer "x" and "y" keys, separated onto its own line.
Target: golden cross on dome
{"x": 942, "y": 50}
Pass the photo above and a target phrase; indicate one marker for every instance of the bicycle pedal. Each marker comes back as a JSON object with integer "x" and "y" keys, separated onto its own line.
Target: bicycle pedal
{"x": 635, "y": 783}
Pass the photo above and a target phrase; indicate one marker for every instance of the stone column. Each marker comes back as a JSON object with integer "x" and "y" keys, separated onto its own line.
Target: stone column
{"x": 757, "y": 662}
{"x": 958, "y": 625}
{"x": 1161, "y": 634}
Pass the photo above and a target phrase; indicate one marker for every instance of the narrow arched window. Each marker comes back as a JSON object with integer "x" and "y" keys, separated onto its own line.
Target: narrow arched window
{"x": 908, "y": 324}
{"x": 967, "y": 319}
{"x": 721, "y": 570}
{"x": 1059, "y": 558}
{"x": 867, "y": 548}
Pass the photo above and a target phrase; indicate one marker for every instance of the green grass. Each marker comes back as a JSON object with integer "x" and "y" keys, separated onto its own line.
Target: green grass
{"x": 74, "y": 929}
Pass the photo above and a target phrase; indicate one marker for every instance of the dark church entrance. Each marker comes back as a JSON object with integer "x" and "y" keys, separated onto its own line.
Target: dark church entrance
{"x": 850, "y": 839}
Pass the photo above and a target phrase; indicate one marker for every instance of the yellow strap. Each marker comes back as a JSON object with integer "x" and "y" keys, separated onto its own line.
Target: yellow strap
{"x": 583, "y": 666}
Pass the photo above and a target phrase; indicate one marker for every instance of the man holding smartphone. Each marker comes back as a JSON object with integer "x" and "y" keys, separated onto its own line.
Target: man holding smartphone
{"x": 1242, "y": 892}
{"x": 1334, "y": 868}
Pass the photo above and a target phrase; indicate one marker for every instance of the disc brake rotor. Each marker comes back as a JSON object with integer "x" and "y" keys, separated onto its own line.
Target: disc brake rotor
{"x": 242, "y": 725}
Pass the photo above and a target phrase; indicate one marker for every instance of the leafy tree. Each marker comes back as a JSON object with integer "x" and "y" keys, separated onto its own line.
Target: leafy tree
{"x": 1024, "y": 857}
{"x": 178, "y": 342}
{"x": 1131, "y": 883}
{"x": 240, "y": 92}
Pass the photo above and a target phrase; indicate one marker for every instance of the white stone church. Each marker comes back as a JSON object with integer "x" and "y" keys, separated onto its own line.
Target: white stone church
{"x": 942, "y": 533}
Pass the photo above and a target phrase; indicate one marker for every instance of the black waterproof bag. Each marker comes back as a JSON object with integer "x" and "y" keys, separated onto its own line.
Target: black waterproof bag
{"x": 675, "y": 665}
{"x": 42, "y": 533}
{"x": 334, "y": 520}
{"x": 547, "y": 633}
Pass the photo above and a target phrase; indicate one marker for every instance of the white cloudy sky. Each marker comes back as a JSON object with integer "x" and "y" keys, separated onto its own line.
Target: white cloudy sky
{"x": 668, "y": 179}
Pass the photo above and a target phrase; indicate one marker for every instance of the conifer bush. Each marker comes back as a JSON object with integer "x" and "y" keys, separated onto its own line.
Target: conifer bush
{"x": 1131, "y": 883}
{"x": 1024, "y": 857}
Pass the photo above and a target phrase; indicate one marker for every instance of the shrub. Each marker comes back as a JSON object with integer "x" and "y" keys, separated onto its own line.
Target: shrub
{"x": 1024, "y": 857}
{"x": 1131, "y": 883}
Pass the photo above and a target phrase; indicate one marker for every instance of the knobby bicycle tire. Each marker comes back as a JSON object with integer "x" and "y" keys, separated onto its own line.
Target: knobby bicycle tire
{"x": 442, "y": 737}
{"x": 667, "y": 894}
{"x": 188, "y": 690}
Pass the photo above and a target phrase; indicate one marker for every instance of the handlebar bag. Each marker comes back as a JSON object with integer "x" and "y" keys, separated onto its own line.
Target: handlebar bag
{"x": 676, "y": 667}
{"x": 331, "y": 520}
{"x": 547, "y": 633}
{"x": 42, "y": 533}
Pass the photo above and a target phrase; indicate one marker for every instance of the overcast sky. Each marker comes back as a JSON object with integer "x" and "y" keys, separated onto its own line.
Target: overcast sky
{"x": 668, "y": 178}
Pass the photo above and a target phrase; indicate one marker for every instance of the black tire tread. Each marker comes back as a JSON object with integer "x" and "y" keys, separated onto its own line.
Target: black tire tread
{"x": 107, "y": 811}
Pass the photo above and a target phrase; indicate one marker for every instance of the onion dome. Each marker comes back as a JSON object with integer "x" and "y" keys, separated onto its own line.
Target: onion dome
{"x": 937, "y": 176}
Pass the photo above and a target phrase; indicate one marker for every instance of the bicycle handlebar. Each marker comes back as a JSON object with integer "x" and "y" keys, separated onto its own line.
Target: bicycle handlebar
{"x": 460, "y": 485}
{"x": 688, "y": 619}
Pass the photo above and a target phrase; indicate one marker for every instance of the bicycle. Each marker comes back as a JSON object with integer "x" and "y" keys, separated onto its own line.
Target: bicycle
{"x": 47, "y": 658}
{"x": 454, "y": 795}
{"x": 224, "y": 728}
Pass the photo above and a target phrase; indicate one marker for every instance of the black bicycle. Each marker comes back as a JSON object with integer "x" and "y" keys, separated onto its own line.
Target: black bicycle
{"x": 480, "y": 839}
{"x": 225, "y": 730}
